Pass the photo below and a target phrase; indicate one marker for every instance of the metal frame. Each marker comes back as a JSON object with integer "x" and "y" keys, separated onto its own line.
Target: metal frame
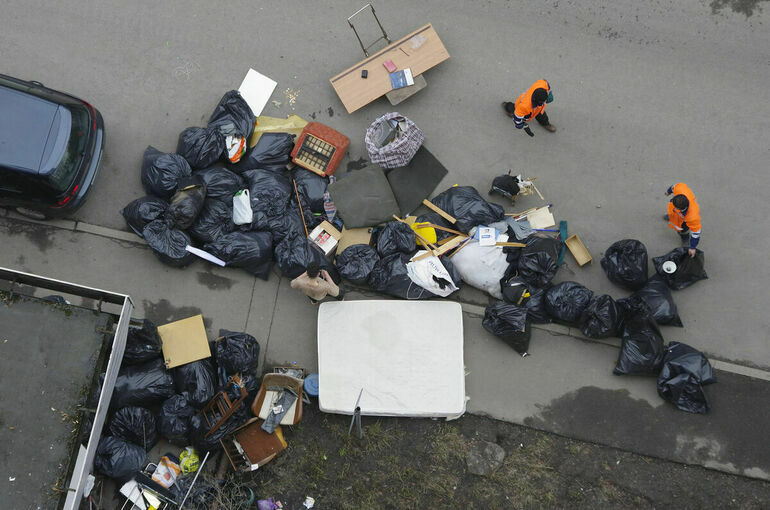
{"x": 384, "y": 34}
{"x": 84, "y": 466}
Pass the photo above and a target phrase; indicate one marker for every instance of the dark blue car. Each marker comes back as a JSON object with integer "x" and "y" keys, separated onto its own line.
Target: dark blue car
{"x": 51, "y": 146}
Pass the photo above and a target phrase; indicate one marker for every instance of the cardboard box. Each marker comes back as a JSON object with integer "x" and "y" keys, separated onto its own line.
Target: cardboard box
{"x": 325, "y": 236}
{"x": 354, "y": 236}
{"x": 184, "y": 341}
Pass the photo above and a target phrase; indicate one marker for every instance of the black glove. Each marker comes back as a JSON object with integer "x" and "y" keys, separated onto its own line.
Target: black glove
{"x": 529, "y": 131}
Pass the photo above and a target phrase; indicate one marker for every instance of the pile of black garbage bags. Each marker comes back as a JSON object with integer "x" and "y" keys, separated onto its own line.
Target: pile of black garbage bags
{"x": 681, "y": 370}
{"x": 190, "y": 194}
{"x": 150, "y": 402}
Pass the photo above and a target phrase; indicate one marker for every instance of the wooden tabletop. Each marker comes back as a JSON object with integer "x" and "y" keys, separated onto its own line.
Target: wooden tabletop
{"x": 355, "y": 91}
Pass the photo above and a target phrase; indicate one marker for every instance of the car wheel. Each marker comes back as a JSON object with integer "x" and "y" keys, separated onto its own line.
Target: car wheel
{"x": 31, "y": 213}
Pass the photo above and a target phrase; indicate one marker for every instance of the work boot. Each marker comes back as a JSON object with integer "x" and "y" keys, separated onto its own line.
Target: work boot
{"x": 550, "y": 128}
{"x": 506, "y": 109}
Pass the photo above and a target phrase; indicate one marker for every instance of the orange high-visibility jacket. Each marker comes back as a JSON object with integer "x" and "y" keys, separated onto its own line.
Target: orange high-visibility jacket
{"x": 691, "y": 215}
{"x": 524, "y": 110}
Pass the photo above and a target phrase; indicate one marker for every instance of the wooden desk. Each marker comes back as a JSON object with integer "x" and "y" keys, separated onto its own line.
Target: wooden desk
{"x": 355, "y": 92}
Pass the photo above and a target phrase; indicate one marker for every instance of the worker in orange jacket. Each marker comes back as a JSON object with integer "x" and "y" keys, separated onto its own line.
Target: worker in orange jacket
{"x": 531, "y": 105}
{"x": 684, "y": 214}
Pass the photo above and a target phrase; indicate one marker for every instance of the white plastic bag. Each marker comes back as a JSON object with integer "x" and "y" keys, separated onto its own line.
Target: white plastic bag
{"x": 422, "y": 272}
{"x": 242, "y": 213}
{"x": 482, "y": 266}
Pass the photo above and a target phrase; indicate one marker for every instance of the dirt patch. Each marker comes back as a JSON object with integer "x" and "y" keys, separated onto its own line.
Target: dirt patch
{"x": 411, "y": 463}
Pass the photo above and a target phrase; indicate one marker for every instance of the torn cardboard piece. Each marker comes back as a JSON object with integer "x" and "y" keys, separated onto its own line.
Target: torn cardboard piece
{"x": 354, "y": 236}
{"x": 184, "y": 341}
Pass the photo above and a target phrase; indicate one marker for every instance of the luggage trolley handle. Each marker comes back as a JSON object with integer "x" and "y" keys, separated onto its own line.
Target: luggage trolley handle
{"x": 384, "y": 34}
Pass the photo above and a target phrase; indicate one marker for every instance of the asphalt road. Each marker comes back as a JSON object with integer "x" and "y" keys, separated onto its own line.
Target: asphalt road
{"x": 647, "y": 94}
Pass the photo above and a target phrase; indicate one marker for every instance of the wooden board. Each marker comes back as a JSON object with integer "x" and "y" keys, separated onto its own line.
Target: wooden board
{"x": 436, "y": 209}
{"x": 355, "y": 91}
{"x": 578, "y": 250}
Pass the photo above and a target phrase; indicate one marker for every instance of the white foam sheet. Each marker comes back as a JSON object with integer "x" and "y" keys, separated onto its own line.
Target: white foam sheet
{"x": 256, "y": 90}
{"x": 406, "y": 355}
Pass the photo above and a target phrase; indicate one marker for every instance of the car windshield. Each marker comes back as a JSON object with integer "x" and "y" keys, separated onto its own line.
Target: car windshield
{"x": 61, "y": 178}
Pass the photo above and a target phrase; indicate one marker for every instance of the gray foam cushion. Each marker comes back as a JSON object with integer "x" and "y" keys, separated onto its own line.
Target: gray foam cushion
{"x": 363, "y": 198}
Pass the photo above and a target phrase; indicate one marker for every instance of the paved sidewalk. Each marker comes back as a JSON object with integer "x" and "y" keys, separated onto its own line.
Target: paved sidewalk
{"x": 566, "y": 386}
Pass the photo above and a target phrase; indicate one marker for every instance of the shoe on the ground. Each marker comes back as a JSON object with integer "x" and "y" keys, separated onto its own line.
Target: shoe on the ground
{"x": 506, "y": 109}
{"x": 550, "y": 128}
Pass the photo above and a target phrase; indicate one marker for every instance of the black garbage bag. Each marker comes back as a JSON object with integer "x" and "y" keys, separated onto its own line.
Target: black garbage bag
{"x": 535, "y": 306}
{"x": 272, "y": 152}
{"x": 201, "y": 147}
{"x": 685, "y": 371}
{"x": 142, "y": 344}
{"x": 466, "y": 205}
{"x": 625, "y": 263}
{"x": 199, "y": 428}
{"x": 688, "y": 269}
{"x": 538, "y": 260}
{"x": 311, "y": 188}
{"x": 168, "y": 243}
{"x": 657, "y": 296}
{"x": 270, "y": 192}
{"x": 214, "y": 221}
{"x": 506, "y": 185}
{"x": 282, "y": 225}
{"x": 566, "y": 301}
{"x": 161, "y": 172}
{"x": 436, "y": 219}
{"x": 186, "y": 205}
{"x": 119, "y": 459}
{"x": 136, "y": 425}
{"x": 232, "y": 116}
{"x": 236, "y": 352}
{"x": 601, "y": 318}
{"x": 295, "y": 252}
{"x": 510, "y": 323}
{"x": 143, "y": 210}
{"x": 174, "y": 420}
{"x": 515, "y": 290}
{"x": 395, "y": 237}
{"x": 220, "y": 183}
{"x": 142, "y": 385}
{"x": 641, "y": 350}
{"x": 196, "y": 381}
{"x": 252, "y": 251}
{"x": 200, "y": 496}
{"x": 390, "y": 276}
{"x": 356, "y": 262}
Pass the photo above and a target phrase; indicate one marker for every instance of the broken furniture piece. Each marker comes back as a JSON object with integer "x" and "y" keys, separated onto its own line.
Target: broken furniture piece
{"x": 220, "y": 407}
{"x": 419, "y": 50}
{"x": 319, "y": 149}
{"x": 384, "y": 35}
{"x": 249, "y": 447}
{"x": 272, "y": 387}
{"x": 578, "y": 250}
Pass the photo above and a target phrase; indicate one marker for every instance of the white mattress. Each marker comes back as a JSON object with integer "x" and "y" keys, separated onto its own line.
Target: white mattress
{"x": 406, "y": 355}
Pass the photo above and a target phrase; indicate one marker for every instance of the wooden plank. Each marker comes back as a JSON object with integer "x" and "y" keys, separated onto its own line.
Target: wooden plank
{"x": 463, "y": 245}
{"x": 515, "y": 245}
{"x": 428, "y": 245}
{"x": 439, "y": 227}
{"x": 355, "y": 91}
{"x": 439, "y": 211}
{"x": 449, "y": 245}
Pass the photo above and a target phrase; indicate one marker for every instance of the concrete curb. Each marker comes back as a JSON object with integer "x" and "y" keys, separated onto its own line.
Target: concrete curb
{"x": 469, "y": 308}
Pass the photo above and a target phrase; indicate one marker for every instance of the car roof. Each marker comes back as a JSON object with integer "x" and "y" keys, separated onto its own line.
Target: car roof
{"x": 25, "y": 126}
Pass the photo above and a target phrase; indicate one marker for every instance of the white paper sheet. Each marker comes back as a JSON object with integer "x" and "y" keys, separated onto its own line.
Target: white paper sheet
{"x": 406, "y": 355}
{"x": 256, "y": 89}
